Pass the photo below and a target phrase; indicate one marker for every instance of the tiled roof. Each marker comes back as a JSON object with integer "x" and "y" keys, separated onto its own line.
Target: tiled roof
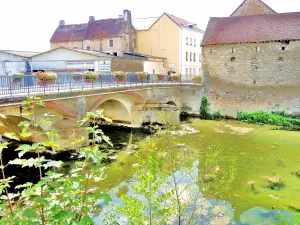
{"x": 25, "y": 54}
{"x": 74, "y": 32}
{"x": 92, "y": 30}
{"x": 105, "y": 28}
{"x": 181, "y": 22}
{"x": 252, "y": 28}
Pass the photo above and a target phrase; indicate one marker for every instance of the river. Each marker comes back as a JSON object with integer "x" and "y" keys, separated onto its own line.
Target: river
{"x": 259, "y": 151}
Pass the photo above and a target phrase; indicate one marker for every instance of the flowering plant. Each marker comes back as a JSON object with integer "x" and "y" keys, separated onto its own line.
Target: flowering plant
{"x": 77, "y": 76}
{"x": 141, "y": 76}
{"x": 119, "y": 76}
{"x": 46, "y": 78}
{"x": 197, "y": 79}
{"x": 175, "y": 76}
{"x": 17, "y": 77}
{"x": 91, "y": 77}
{"x": 160, "y": 76}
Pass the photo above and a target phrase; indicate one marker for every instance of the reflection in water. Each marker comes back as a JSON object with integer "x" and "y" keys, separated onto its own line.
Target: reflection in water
{"x": 200, "y": 210}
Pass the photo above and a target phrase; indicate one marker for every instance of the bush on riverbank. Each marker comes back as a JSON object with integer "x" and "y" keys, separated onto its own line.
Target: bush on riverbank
{"x": 274, "y": 118}
{"x": 205, "y": 111}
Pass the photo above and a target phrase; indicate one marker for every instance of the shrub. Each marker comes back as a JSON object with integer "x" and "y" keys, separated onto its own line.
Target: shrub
{"x": 204, "y": 109}
{"x": 267, "y": 118}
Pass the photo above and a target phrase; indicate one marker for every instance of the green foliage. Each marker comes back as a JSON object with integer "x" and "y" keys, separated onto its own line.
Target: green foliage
{"x": 204, "y": 109}
{"x": 55, "y": 199}
{"x": 262, "y": 117}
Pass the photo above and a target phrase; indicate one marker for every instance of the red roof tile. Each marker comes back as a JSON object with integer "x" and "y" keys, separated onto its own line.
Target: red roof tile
{"x": 73, "y": 32}
{"x": 105, "y": 28}
{"x": 92, "y": 30}
{"x": 252, "y": 28}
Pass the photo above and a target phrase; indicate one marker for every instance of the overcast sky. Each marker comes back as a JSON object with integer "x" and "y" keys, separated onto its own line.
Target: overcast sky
{"x": 29, "y": 25}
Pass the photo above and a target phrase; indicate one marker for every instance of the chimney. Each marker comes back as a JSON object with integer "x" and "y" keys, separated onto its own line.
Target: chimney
{"x": 127, "y": 15}
{"x": 92, "y": 18}
{"x": 62, "y": 23}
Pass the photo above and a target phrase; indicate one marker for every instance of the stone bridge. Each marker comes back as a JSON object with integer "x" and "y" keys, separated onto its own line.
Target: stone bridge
{"x": 130, "y": 106}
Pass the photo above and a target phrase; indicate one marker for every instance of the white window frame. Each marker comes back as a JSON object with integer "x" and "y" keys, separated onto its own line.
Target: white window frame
{"x": 112, "y": 43}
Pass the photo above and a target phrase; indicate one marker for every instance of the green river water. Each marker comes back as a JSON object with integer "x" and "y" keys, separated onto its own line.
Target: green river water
{"x": 260, "y": 151}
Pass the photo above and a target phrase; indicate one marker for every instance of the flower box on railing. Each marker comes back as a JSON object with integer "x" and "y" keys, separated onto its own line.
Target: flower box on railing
{"x": 141, "y": 76}
{"x": 46, "y": 78}
{"x": 175, "y": 76}
{"x": 77, "y": 76}
{"x": 17, "y": 77}
{"x": 91, "y": 77}
{"x": 119, "y": 76}
{"x": 197, "y": 79}
{"x": 160, "y": 76}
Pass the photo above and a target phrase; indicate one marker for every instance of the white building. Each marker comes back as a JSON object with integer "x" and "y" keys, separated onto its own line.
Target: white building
{"x": 13, "y": 61}
{"x": 190, "y": 50}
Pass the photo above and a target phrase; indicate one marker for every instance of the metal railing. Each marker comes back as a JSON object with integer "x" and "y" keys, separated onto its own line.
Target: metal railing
{"x": 11, "y": 86}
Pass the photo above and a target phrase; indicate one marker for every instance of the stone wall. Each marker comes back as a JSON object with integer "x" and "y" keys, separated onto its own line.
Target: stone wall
{"x": 250, "y": 7}
{"x": 253, "y": 76}
{"x": 254, "y": 64}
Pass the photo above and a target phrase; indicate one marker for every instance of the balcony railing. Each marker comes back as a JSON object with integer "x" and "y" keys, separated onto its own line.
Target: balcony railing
{"x": 30, "y": 85}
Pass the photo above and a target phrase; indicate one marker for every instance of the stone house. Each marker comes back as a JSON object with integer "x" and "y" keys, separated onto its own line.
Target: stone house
{"x": 260, "y": 50}
{"x": 113, "y": 36}
{"x": 252, "y": 7}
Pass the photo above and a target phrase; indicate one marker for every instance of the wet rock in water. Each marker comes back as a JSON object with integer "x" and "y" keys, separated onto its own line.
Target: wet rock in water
{"x": 113, "y": 157}
{"x": 209, "y": 177}
{"x": 133, "y": 147}
{"x": 180, "y": 145}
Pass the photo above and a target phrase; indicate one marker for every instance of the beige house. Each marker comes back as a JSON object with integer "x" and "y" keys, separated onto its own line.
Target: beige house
{"x": 113, "y": 36}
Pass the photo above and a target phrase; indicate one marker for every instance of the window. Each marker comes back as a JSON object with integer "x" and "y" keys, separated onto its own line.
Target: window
{"x": 232, "y": 59}
{"x": 115, "y": 54}
{"x": 199, "y": 71}
{"x": 282, "y": 48}
{"x": 257, "y": 49}
{"x": 111, "y": 43}
{"x": 199, "y": 57}
{"x": 88, "y": 47}
{"x": 280, "y": 59}
{"x": 194, "y": 57}
{"x": 186, "y": 71}
{"x": 232, "y": 50}
{"x": 210, "y": 50}
{"x": 187, "y": 41}
{"x": 194, "y": 42}
{"x": 190, "y": 71}
{"x": 194, "y": 70}
{"x": 186, "y": 56}
{"x": 191, "y": 43}
{"x": 191, "y": 57}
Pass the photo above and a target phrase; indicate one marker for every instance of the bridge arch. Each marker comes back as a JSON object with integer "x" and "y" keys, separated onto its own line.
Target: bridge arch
{"x": 117, "y": 110}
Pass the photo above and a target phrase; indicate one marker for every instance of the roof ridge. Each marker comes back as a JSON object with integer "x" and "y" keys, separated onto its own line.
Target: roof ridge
{"x": 250, "y": 0}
